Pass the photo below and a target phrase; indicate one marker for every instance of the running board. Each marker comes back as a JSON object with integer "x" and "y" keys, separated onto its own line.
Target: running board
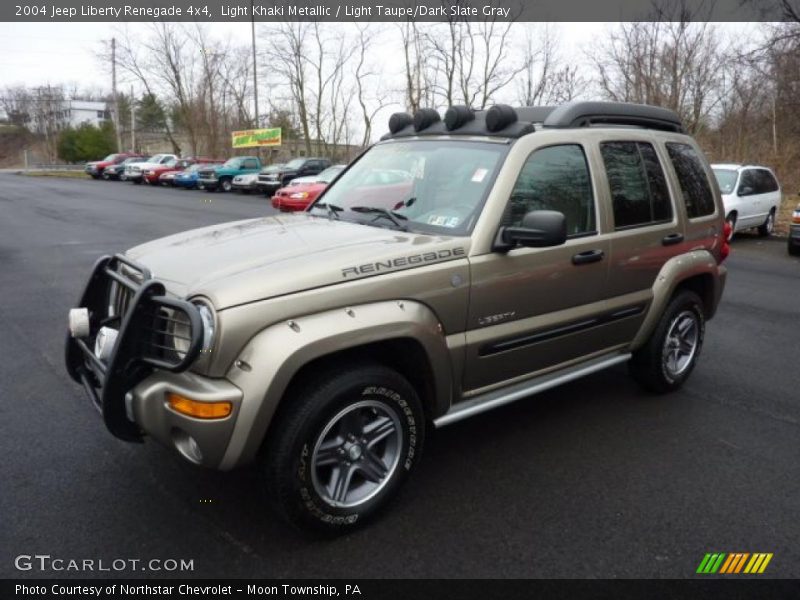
{"x": 515, "y": 392}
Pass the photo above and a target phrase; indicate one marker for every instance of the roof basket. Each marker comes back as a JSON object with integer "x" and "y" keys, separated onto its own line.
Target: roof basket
{"x": 586, "y": 114}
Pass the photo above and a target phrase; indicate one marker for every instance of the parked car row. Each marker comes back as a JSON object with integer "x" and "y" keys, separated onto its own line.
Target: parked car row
{"x": 292, "y": 185}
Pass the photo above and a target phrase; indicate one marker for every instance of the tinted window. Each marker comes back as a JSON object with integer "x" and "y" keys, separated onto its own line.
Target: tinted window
{"x": 555, "y": 178}
{"x": 250, "y": 163}
{"x": 638, "y": 187}
{"x": 747, "y": 183}
{"x": 765, "y": 182}
{"x": 696, "y": 190}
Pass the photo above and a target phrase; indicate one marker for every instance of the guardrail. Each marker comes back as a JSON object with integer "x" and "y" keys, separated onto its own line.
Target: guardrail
{"x": 45, "y": 167}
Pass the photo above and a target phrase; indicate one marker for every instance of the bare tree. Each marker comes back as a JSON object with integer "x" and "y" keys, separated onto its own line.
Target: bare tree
{"x": 675, "y": 64}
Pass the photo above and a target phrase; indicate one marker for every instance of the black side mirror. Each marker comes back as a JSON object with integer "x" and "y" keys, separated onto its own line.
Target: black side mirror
{"x": 745, "y": 190}
{"x": 539, "y": 229}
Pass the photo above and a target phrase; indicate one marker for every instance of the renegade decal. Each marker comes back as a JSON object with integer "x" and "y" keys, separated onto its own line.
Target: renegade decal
{"x": 405, "y": 261}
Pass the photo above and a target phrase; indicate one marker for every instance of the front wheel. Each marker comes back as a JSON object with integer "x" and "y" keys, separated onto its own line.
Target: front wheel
{"x": 768, "y": 226}
{"x": 793, "y": 247}
{"x": 342, "y": 448}
{"x": 665, "y": 362}
{"x": 226, "y": 185}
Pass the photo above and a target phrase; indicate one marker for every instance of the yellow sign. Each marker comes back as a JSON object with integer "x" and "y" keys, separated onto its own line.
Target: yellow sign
{"x": 254, "y": 138}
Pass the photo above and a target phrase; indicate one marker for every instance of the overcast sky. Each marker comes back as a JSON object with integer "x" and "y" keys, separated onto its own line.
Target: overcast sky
{"x": 40, "y": 53}
{"x": 34, "y": 54}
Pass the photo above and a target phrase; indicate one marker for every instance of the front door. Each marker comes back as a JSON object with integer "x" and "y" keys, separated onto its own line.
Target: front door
{"x": 534, "y": 308}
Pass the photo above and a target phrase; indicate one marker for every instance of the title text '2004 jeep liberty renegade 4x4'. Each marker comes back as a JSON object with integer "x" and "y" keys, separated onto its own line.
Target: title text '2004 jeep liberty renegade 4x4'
{"x": 526, "y": 248}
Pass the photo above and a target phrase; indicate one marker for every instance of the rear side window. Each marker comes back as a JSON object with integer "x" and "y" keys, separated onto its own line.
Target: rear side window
{"x": 692, "y": 177}
{"x": 555, "y": 178}
{"x": 637, "y": 182}
{"x": 765, "y": 182}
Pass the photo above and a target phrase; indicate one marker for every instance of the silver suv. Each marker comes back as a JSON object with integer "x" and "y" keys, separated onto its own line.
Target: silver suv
{"x": 523, "y": 248}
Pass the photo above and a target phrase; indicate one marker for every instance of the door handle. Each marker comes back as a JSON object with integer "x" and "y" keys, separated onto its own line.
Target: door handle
{"x": 672, "y": 238}
{"x": 587, "y": 257}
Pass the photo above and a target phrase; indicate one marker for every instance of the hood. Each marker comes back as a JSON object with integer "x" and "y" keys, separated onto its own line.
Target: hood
{"x": 241, "y": 262}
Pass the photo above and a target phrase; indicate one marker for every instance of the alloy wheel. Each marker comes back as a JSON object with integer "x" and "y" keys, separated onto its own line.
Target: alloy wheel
{"x": 356, "y": 454}
{"x": 680, "y": 345}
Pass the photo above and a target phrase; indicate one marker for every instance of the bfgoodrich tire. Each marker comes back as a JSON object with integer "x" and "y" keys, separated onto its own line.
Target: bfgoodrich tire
{"x": 665, "y": 362}
{"x": 342, "y": 447}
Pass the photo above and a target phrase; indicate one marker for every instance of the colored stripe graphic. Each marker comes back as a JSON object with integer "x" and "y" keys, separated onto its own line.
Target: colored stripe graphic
{"x": 711, "y": 562}
{"x": 734, "y": 563}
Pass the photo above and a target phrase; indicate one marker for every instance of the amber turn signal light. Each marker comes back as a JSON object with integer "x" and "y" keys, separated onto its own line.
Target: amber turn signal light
{"x": 199, "y": 410}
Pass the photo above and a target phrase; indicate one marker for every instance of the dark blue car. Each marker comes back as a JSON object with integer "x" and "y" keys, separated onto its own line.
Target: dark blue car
{"x": 187, "y": 178}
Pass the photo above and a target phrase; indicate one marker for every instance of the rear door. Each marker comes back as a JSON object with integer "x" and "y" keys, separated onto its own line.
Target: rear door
{"x": 646, "y": 225}
{"x": 768, "y": 197}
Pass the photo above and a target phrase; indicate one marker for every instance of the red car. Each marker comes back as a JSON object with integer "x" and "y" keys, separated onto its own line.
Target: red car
{"x": 95, "y": 168}
{"x": 301, "y": 192}
{"x": 153, "y": 174}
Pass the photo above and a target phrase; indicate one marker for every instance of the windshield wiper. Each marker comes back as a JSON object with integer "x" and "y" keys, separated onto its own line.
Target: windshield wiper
{"x": 394, "y": 217}
{"x": 333, "y": 210}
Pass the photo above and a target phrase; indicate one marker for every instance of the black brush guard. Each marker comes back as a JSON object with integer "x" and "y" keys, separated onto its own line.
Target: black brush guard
{"x": 142, "y": 343}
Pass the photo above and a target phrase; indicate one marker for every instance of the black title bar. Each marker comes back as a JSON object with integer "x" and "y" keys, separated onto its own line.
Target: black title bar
{"x": 392, "y": 10}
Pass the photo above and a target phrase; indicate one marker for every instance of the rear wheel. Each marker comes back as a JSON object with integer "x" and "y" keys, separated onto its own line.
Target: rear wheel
{"x": 794, "y": 248}
{"x": 665, "y": 362}
{"x": 768, "y": 226}
{"x": 342, "y": 448}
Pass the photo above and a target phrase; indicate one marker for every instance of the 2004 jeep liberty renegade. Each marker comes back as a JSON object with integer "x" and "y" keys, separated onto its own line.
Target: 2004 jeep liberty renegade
{"x": 457, "y": 265}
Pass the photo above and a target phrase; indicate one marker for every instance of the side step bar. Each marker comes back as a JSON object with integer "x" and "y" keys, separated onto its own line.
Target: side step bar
{"x": 514, "y": 392}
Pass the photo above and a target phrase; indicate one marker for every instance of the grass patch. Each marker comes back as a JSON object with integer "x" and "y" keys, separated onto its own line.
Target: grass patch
{"x": 56, "y": 173}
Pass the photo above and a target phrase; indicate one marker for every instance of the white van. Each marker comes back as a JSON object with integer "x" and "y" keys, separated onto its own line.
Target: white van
{"x": 751, "y": 195}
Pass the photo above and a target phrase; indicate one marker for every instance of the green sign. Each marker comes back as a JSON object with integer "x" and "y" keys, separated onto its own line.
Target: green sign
{"x": 255, "y": 138}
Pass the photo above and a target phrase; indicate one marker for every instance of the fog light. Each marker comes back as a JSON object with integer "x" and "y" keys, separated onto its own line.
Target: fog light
{"x": 104, "y": 343}
{"x": 199, "y": 410}
{"x": 79, "y": 322}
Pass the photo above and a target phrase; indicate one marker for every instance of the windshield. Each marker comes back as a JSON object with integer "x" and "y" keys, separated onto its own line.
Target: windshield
{"x": 295, "y": 164}
{"x": 439, "y": 186}
{"x": 272, "y": 169}
{"x": 109, "y": 157}
{"x": 231, "y": 163}
{"x": 328, "y": 174}
{"x": 726, "y": 179}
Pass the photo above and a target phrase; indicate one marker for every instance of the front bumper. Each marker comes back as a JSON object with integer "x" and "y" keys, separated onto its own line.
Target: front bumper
{"x": 208, "y": 182}
{"x": 290, "y": 204}
{"x": 133, "y": 175}
{"x": 247, "y": 185}
{"x": 200, "y": 441}
{"x": 269, "y": 186}
{"x": 145, "y": 319}
{"x": 794, "y": 235}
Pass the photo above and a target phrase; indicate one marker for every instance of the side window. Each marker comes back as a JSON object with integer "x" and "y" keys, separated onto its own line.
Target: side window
{"x": 747, "y": 183}
{"x": 638, "y": 186}
{"x": 697, "y": 194}
{"x": 555, "y": 178}
{"x": 766, "y": 182}
{"x": 250, "y": 163}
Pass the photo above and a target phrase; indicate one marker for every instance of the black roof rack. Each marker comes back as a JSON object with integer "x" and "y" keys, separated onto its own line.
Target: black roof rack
{"x": 584, "y": 114}
{"x": 507, "y": 122}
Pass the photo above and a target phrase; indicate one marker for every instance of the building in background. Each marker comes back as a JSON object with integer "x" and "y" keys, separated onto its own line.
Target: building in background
{"x": 73, "y": 113}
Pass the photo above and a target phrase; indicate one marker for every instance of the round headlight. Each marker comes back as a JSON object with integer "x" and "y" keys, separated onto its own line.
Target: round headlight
{"x": 180, "y": 331}
{"x": 208, "y": 325}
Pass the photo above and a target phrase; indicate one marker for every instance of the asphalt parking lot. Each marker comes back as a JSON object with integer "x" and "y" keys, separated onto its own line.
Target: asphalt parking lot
{"x": 595, "y": 479}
